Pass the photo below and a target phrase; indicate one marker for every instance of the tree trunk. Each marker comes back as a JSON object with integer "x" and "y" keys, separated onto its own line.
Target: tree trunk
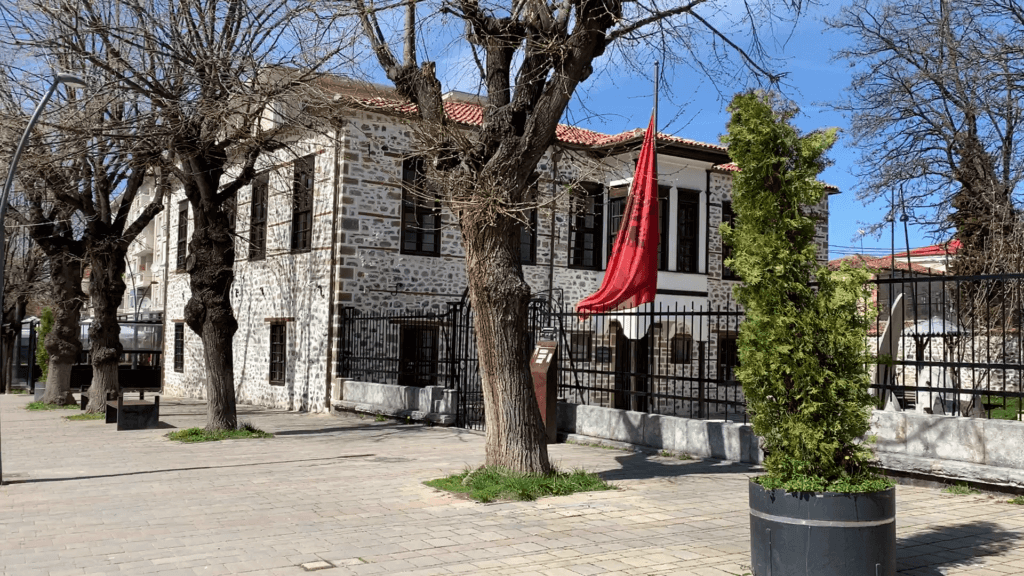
{"x": 63, "y": 343}
{"x": 516, "y": 440}
{"x": 208, "y": 313}
{"x": 8, "y": 371}
{"x": 106, "y": 291}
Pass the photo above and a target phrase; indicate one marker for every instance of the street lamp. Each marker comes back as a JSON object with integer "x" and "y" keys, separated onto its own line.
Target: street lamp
{"x": 70, "y": 80}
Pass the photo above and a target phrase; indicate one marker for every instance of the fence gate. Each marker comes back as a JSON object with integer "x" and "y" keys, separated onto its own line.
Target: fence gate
{"x": 423, "y": 349}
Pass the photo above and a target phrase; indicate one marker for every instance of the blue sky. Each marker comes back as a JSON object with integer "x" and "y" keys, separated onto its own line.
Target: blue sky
{"x": 697, "y": 111}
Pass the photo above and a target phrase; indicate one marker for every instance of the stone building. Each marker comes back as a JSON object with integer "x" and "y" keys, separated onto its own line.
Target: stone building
{"x": 329, "y": 225}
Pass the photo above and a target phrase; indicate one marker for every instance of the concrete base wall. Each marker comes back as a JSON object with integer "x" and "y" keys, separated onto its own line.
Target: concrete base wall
{"x": 958, "y": 448}
{"x": 430, "y": 403}
{"x": 946, "y": 447}
{"x": 701, "y": 438}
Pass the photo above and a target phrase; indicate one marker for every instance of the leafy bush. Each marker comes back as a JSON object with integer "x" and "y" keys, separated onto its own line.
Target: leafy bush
{"x": 44, "y": 328}
{"x": 803, "y": 346}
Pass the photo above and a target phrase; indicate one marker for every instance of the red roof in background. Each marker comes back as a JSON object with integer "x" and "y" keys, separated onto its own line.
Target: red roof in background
{"x": 881, "y": 264}
{"x": 948, "y": 248}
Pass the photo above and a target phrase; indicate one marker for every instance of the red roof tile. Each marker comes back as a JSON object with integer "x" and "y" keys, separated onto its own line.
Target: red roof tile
{"x": 881, "y": 264}
{"x": 949, "y": 248}
{"x": 472, "y": 115}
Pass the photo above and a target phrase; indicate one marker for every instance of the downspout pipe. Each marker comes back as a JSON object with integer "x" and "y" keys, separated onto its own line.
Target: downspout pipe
{"x": 556, "y": 155}
{"x": 332, "y": 265}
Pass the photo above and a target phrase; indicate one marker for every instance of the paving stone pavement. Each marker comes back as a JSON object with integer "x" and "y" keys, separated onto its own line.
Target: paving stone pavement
{"x": 85, "y": 499}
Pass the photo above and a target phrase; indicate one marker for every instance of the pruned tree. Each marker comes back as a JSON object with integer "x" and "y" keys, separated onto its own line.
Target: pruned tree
{"x": 86, "y": 165}
{"x": 212, "y": 71}
{"x": 24, "y": 280}
{"x": 936, "y": 107}
{"x": 532, "y": 58}
{"x": 49, "y": 225}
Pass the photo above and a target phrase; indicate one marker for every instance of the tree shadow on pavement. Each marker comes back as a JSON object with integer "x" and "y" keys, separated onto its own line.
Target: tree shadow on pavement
{"x": 26, "y": 479}
{"x": 937, "y": 551}
{"x": 644, "y": 466}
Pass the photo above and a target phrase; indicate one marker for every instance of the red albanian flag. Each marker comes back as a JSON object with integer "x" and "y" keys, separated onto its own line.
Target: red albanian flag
{"x": 632, "y": 275}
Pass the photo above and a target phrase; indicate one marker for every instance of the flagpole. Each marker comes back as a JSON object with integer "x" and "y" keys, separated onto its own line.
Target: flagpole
{"x": 656, "y": 69}
{"x": 650, "y": 345}
{"x": 640, "y": 397}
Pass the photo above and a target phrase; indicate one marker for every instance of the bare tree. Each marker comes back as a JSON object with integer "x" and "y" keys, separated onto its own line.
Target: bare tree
{"x": 84, "y": 169}
{"x": 212, "y": 71}
{"x": 23, "y": 282}
{"x": 49, "y": 225}
{"x": 936, "y": 109}
{"x": 532, "y": 57}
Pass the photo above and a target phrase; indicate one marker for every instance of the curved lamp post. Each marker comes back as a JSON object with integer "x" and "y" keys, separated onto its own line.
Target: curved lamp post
{"x": 5, "y": 195}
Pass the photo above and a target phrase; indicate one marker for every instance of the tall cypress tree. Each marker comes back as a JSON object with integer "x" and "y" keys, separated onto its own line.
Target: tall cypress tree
{"x": 803, "y": 346}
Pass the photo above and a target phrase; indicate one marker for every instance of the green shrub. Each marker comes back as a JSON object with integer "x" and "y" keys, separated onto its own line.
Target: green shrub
{"x": 803, "y": 346}
{"x": 44, "y": 328}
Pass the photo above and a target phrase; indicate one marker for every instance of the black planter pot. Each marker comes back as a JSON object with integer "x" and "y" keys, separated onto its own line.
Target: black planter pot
{"x": 822, "y": 534}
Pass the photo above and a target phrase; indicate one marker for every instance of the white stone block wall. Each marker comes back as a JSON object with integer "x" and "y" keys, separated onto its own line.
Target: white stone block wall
{"x": 283, "y": 286}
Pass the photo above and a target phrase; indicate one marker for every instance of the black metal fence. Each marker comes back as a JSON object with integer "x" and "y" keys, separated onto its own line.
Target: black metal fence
{"x": 415, "y": 349}
{"x": 680, "y": 361}
{"x": 957, "y": 347}
{"x": 956, "y": 350}
{"x": 25, "y": 372}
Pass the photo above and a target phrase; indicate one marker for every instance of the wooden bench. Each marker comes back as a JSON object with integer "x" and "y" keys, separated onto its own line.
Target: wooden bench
{"x": 133, "y": 414}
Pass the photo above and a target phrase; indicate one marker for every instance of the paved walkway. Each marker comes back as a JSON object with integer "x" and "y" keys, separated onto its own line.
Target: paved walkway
{"x": 86, "y": 499}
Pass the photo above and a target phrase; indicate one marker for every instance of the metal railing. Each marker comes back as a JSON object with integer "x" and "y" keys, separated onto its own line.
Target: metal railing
{"x": 957, "y": 350}
{"x": 957, "y": 347}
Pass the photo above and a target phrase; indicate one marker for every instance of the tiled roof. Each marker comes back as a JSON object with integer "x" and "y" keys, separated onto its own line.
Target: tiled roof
{"x": 881, "y": 264}
{"x": 949, "y": 248}
{"x": 638, "y": 134}
{"x": 472, "y": 114}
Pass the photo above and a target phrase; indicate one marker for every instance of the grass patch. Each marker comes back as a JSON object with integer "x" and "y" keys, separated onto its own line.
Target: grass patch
{"x": 42, "y": 406}
{"x": 245, "y": 430}
{"x": 597, "y": 445}
{"x": 19, "y": 391}
{"x": 489, "y": 484}
{"x": 87, "y": 416}
{"x": 960, "y": 488}
{"x": 1019, "y": 500}
{"x": 380, "y": 418}
{"x": 1005, "y": 409}
{"x": 667, "y": 454}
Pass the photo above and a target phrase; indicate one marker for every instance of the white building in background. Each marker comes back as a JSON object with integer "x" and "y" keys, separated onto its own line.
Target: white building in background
{"x": 329, "y": 224}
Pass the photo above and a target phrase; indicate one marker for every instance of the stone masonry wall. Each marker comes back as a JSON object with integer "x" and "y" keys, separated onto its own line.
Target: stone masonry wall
{"x": 361, "y": 171}
{"x": 284, "y": 286}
